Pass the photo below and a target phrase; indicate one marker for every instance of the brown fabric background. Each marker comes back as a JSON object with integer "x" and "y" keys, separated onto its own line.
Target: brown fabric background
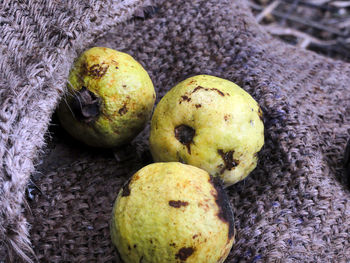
{"x": 293, "y": 208}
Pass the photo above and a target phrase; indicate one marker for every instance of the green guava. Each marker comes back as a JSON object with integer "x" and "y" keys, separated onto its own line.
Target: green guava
{"x": 172, "y": 212}
{"x": 211, "y": 123}
{"x": 110, "y": 98}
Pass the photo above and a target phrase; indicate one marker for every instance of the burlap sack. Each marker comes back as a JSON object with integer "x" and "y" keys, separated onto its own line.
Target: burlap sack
{"x": 293, "y": 208}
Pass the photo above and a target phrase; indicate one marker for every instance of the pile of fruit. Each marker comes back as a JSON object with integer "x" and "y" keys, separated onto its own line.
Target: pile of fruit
{"x": 205, "y": 135}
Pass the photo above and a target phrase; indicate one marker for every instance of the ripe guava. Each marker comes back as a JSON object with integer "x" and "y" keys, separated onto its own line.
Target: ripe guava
{"x": 110, "y": 98}
{"x": 172, "y": 212}
{"x": 211, "y": 123}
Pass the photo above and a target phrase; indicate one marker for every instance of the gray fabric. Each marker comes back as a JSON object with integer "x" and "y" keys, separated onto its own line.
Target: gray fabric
{"x": 294, "y": 207}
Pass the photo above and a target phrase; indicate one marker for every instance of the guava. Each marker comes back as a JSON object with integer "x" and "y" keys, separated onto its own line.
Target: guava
{"x": 211, "y": 123}
{"x": 110, "y": 98}
{"x": 172, "y": 212}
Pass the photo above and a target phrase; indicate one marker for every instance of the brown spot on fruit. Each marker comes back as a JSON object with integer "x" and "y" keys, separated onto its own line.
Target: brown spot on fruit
{"x": 85, "y": 106}
{"x": 184, "y": 134}
{"x": 97, "y": 70}
{"x": 225, "y": 211}
{"x": 135, "y": 246}
{"x": 206, "y": 89}
{"x": 129, "y": 248}
{"x": 172, "y": 244}
{"x": 194, "y": 236}
{"x": 198, "y": 88}
{"x": 198, "y": 106}
{"x": 228, "y": 160}
{"x": 184, "y": 253}
{"x": 184, "y": 98}
{"x": 178, "y": 203}
{"x": 226, "y": 117}
{"x": 123, "y": 110}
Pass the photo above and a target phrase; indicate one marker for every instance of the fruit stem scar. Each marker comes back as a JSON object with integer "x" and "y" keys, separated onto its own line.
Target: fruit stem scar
{"x": 86, "y": 105}
{"x": 184, "y": 134}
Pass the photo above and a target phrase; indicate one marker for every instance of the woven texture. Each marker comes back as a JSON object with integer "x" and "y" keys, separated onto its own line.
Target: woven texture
{"x": 293, "y": 208}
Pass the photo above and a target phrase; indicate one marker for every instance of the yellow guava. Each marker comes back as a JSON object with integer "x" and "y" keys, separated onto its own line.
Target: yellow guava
{"x": 110, "y": 98}
{"x": 211, "y": 123}
{"x": 172, "y": 212}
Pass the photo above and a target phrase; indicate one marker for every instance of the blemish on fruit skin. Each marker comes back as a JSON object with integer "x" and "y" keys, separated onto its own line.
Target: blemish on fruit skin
{"x": 229, "y": 161}
{"x": 206, "y": 89}
{"x": 97, "y": 70}
{"x": 123, "y": 110}
{"x": 178, "y": 203}
{"x": 226, "y": 117}
{"x": 184, "y": 253}
{"x": 221, "y": 198}
{"x": 184, "y": 98}
{"x": 184, "y": 134}
{"x": 198, "y": 105}
{"x": 194, "y": 236}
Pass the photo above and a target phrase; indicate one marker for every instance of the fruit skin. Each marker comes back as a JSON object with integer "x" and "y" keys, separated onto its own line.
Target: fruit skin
{"x": 172, "y": 212}
{"x": 110, "y": 98}
{"x": 210, "y": 123}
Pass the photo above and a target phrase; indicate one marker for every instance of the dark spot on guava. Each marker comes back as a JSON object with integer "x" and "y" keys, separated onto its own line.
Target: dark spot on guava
{"x": 97, "y": 70}
{"x": 218, "y": 91}
{"x": 172, "y": 244}
{"x": 135, "y": 246}
{"x": 129, "y": 248}
{"x": 184, "y": 134}
{"x": 126, "y": 189}
{"x": 206, "y": 89}
{"x": 225, "y": 210}
{"x": 151, "y": 241}
{"x": 178, "y": 203}
{"x": 198, "y": 88}
{"x": 194, "y": 236}
{"x": 116, "y": 67}
{"x": 123, "y": 110}
{"x": 228, "y": 160}
{"x": 124, "y": 86}
{"x": 260, "y": 113}
{"x": 141, "y": 259}
{"x": 184, "y": 253}
{"x": 226, "y": 117}
{"x": 198, "y": 106}
{"x": 184, "y": 98}
{"x": 85, "y": 105}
